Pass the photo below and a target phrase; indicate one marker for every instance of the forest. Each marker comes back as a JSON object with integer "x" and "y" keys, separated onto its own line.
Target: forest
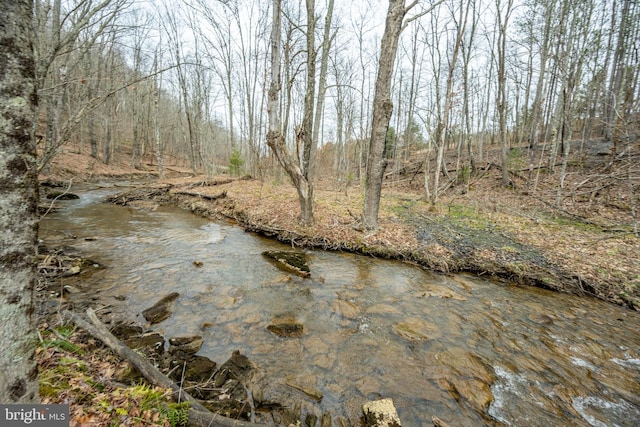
{"x": 498, "y": 138}
{"x": 189, "y": 81}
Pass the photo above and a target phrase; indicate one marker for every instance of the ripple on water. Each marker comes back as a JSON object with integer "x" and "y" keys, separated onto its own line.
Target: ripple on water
{"x": 598, "y": 412}
{"x": 510, "y": 392}
{"x": 627, "y": 363}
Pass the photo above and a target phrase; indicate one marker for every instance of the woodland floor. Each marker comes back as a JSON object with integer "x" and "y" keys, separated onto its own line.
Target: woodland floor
{"x": 586, "y": 246}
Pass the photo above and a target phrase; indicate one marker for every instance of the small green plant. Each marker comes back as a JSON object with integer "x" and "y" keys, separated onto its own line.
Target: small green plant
{"x": 350, "y": 178}
{"x": 515, "y": 159}
{"x": 464, "y": 174}
{"x": 58, "y": 338}
{"x": 235, "y": 162}
{"x": 178, "y": 414}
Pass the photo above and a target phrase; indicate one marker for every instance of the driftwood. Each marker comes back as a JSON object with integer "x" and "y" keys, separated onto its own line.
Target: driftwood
{"x": 198, "y": 414}
{"x": 204, "y": 196}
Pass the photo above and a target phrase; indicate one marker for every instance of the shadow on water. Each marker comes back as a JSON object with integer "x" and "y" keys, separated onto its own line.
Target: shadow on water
{"x": 466, "y": 349}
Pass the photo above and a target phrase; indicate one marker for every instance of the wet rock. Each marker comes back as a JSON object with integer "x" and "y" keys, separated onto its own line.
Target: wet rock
{"x": 541, "y": 319}
{"x": 415, "y": 329}
{"x": 368, "y": 385}
{"x": 325, "y": 420}
{"x": 72, "y": 271}
{"x": 294, "y": 262}
{"x": 474, "y": 392}
{"x": 287, "y": 330}
{"x": 186, "y": 344}
{"x": 381, "y": 413}
{"x": 382, "y": 309}
{"x": 315, "y": 345}
{"x": 322, "y": 361}
{"x": 126, "y": 330}
{"x": 144, "y": 205}
{"x": 286, "y": 326}
{"x": 152, "y": 340}
{"x": 345, "y": 309}
{"x": 441, "y": 292}
{"x": 310, "y": 420}
{"x": 62, "y": 195}
{"x": 229, "y": 408}
{"x": 68, "y": 289}
{"x": 238, "y": 367}
{"x": 160, "y": 310}
{"x": 199, "y": 369}
{"x": 305, "y": 384}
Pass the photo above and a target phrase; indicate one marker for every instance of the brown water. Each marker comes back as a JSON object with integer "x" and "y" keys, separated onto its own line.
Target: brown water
{"x": 494, "y": 354}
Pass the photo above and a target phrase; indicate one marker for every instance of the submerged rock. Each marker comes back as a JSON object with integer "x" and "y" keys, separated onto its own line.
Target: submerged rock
{"x": 345, "y": 309}
{"x": 160, "y": 310}
{"x": 287, "y": 330}
{"x": 305, "y": 385}
{"x": 416, "y": 329}
{"x": 294, "y": 262}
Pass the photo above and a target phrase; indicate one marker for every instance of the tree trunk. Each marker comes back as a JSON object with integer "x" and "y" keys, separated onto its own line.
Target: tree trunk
{"x": 157, "y": 82}
{"x": 448, "y": 101}
{"x": 275, "y": 139}
{"x": 382, "y": 110}
{"x": 502, "y": 87}
{"x": 18, "y": 206}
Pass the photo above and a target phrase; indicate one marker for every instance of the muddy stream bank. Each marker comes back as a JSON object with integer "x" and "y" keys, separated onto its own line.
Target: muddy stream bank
{"x": 469, "y": 350}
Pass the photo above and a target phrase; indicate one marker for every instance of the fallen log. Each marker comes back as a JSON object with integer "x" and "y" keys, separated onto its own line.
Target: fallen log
{"x": 198, "y": 414}
{"x": 204, "y": 196}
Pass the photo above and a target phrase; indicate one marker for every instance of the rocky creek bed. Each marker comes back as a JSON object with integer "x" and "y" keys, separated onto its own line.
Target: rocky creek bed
{"x": 233, "y": 390}
{"x": 437, "y": 244}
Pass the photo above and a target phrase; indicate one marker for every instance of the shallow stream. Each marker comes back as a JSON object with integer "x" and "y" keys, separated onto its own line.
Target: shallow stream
{"x": 469, "y": 350}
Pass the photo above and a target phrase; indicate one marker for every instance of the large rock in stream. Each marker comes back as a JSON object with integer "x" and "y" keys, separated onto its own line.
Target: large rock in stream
{"x": 160, "y": 310}
{"x": 291, "y": 261}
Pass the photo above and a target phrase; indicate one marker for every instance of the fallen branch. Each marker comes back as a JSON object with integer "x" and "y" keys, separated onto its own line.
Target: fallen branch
{"x": 198, "y": 414}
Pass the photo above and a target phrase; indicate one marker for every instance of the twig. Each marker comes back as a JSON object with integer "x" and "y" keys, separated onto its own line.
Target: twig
{"x": 57, "y": 197}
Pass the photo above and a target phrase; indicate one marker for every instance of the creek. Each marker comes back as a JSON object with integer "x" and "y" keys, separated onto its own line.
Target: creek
{"x": 470, "y": 350}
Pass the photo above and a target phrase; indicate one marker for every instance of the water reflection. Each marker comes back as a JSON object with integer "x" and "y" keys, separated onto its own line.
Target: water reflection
{"x": 471, "y": 351}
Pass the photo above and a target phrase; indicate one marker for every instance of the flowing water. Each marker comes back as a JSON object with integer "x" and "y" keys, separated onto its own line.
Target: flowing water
{"x": 469, "y": 350}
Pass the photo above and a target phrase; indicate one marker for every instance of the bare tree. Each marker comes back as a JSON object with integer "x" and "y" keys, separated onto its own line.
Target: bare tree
{"x": 461, "y": 24}
{"x": 18, "y": 205}
{"x": 383, "y": 107}
{"x": 382, "y": 110}
{"x": 57, "y": 47}
{"x": 503, "y": 12}
{"x": 300, "y": 166}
